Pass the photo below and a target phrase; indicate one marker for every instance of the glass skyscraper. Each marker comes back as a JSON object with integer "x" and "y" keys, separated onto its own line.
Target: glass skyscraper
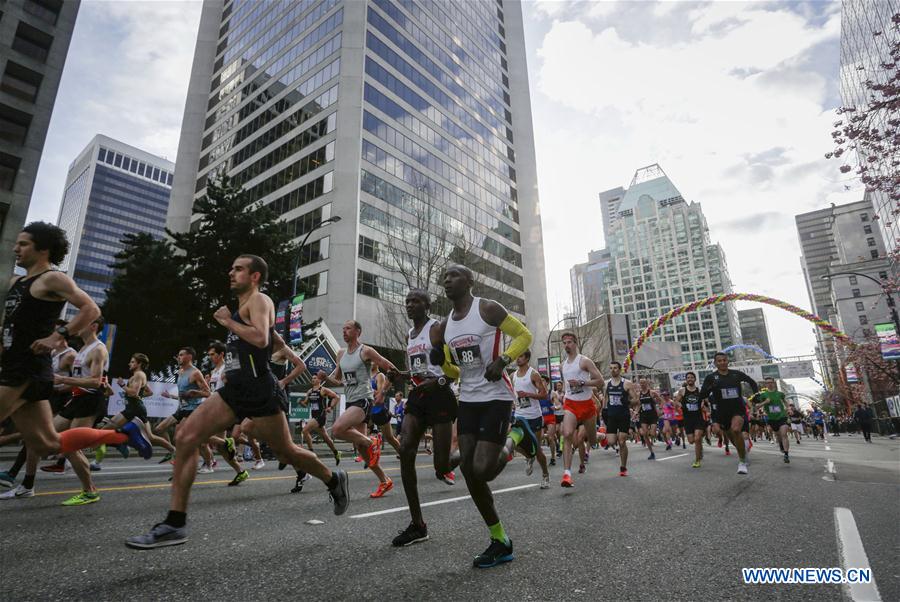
{"x": 112, "y": 189}
{"x": 402, "y": 117}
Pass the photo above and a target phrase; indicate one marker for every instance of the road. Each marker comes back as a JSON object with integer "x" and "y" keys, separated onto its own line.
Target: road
{"x": 666, "y": 531}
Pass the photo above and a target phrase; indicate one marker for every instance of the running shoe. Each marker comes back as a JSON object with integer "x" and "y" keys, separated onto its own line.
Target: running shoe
{"x": 696, "y": 464}
{"x": 298, "y": 484}
{"x": 340, "y": 495}
{"x": 449, "y": 478}
{"x": 374, "y": 453}
{"x": 167, "y": 458}
{"x": 282, "y": 466}
{"x": 587, "y": 456}
{"x": 100, "y": 453}
{"x": 727, "y": 452}
{"x": 545, "y": 482}
{"x": 123, "y": 450}
{"x": 82, "y": 499}
{"x": 787, "y": 459}
{"x": 668, "y": 446}
{"x": 567, "y": 481}
{"x": 742, "y": 468}
{"x": 258, "y": 464}
{"x": 230, "y": 452}
{"x": 683, "y": 446}
{"x": 215, "y": 463}
{"x": 382, "y": 489}
{"x": 54, "y": 468}
{"x": 358, "y": 459}
{"x": 337, "y": 458}
{"x": 529, "y": 466}
{"x": 18, "y": 492}
{"x": 7, "y": 481}
{"x": 136, "y": 438}
{"x": 239, "y": 478}
{"x": 248, "y": 454}
{"x": 623, "y": 472}
{"x": 159, "y": 536}
{"x": 652, "y": 456}
{"x": 496, "y": 553}
{"x": 410, "y": 535}
{"x": 95, "y": 467}
{"x": 720, "y": 443}
{"x": 205, "y": 469}
{"x": 582, "y": 469}
{"x": 552, "y": 461}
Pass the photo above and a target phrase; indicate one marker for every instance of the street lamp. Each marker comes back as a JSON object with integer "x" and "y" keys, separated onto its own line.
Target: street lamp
{"x": 331, "y": 220}
{"x": 549, "y": 336}
{"x": 884, "y": 289}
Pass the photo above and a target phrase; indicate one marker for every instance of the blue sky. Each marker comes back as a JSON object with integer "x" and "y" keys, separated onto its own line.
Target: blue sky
{"x": 734, "y": 100}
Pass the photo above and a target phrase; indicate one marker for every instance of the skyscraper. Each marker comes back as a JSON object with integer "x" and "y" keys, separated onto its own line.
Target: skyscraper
{"x": 34, "y": 42}
{"x": 609, "y": 208}
{"x": 589, "y": 286}
{"x": 662, "y": 257}
{"x": 754, "y": 329}
{"x": 112, "y": 189}
{"x": 402, "y": 117}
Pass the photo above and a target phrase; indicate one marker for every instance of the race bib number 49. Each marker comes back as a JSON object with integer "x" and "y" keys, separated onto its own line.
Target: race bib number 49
{"x": 417, "y": 364}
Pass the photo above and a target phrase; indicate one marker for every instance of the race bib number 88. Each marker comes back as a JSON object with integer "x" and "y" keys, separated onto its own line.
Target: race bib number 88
{"x": 469, "y": 356}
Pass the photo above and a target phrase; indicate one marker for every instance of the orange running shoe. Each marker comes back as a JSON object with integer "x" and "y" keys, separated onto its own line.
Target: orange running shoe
{"x": 382, "y": 489}
{"x": 567, "y": 481}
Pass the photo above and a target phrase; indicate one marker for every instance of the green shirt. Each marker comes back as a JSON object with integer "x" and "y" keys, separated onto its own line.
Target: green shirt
{"x": 773, "y": 404}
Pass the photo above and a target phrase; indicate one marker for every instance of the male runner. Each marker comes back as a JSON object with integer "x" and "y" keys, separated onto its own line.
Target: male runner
{"x": 192, "y": 390}
{"x": 863, "y": 416}
{"x": 688, "y": 397}
{"x": 818, "y": 417}
{"x": 771, "y": 401}
{"x": 581, "y": 376}
{"x": 224, "y": 445}
{"x": 33, "y": 303}
{"x": 249, "y": 392}
{"x": 620, "y": 395}
{"x": 530, "y": 390}
{"x": 649, "y": 401}
{"x": 796, "y": 418}
{"x": 352, "y": 372}
{"x": 279, "y": 363}
{"x": 381, "y": 414}
{"x": 472, "y": 333}
{"x": 431, "y": 403}
{"x": 321, "y": 400}
{"x": 724, "y": 386}
{"x": 549, "y": 419}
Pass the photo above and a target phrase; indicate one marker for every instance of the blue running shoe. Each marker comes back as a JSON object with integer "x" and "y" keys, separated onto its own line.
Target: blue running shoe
{"x": 137, "y": 440}
{"x": 497, "y": 553}
{"x": 7, "y": 481}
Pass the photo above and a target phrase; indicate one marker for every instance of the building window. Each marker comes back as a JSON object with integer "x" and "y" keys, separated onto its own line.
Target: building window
{"x": 14, "y": 124}
{"x": 856, "y": 292}
{"x": 32, "y": 42}
{"x": 867, "y": 229}
{"x": 864, "y": 217}
{"x": 882, "y": 275}
{"x": 368, "y": 248}
{"x": 9, "y": 167}
{"x": 21, "y": 82}
{"x": 863, "y": 320}
{"x": 315, "y": 285}
{"x": 870, "y": 242}
{"x": 853, "y": 280}
{"x": 46, "y": 10}
{"x": 874, "y": 254}
{"x": 859, "y": 306}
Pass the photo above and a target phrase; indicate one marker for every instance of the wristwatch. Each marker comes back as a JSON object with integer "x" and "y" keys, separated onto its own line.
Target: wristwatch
{"x": 506, "y": 359}
{"x": 62, "y": 330}
{"x": 442, "y": 381}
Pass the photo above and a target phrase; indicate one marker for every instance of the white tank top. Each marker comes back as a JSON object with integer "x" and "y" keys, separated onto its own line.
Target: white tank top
{"x": 474, "y": 344}
{"x": 526, "y": 407}
{"x": 418, "y": 354}
{"x": 55, "y": 358}
{"x": 78, "y": 367}
{"x": 573, "y": 371}
{"x": 216, "y": 378}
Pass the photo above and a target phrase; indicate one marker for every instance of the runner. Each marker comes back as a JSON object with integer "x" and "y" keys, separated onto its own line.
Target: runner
{"x": 667, "y": 420}
{"x": 548, "y": 419}
{"x": 381, "y": 414}
{"x": 558, "y": 397}
{"x": 279, "y": 363}
{"x": 620, "y": 395}
{"x": 192, "y": 390}
{"x": 530, "y": 390}
{"x": 352, "y": 372}
{"x": 224, "y": 445}
{"x": 688, "y": 397}
{"x": 431, "y": 403}
{"x": 649, "y": 401}
{"x": 581, "y": 377}
{"x": 724, "y": 386}
{"x": 33, "y": 303}
{"x": 863, "y": 417}
{"x": 249, "y": 392}
{"x": 472, "y": 332}
{"x": 771, "y": 401}
{"x": 321, "y": 400}
{"x": 796, "y": 418}
{"x": 818, "y": 417}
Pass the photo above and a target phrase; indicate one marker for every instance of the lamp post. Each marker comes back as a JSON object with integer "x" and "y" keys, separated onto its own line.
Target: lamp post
{"x": 549, "y": 336}
{"x": 892, "y": 306}
{"x": 331, "y": 220}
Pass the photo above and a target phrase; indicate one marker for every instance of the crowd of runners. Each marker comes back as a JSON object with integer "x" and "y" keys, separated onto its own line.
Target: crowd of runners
{"x": 474, "y": 401}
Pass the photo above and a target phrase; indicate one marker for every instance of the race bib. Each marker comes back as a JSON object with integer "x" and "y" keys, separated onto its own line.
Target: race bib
{"x": 469, "y": 357}
{"x": 418, "y": 364}
{"x": 615, "y": 400}
{"x": 523, "y": 402}
{"x": 350, "y": 379}
{"x": 731, "y": 393}
{"x": 314, "y": 406}
{"x": 647, "y": 407}
{"x": 775, "y": 409}
{"x": 693, "y": 407}
{"x": 232, "y": 361}
{"x": 7, "y": 338}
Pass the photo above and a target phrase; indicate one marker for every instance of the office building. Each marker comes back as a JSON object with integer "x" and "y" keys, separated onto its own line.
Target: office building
{"x": 588, "y": 286}
{"x": 754, "y": 329}
{"x": 406, "y": 119}
{"x": 34, "y": 43}
{"x": 609, "y": 209}
{"x": 112, "y": 189}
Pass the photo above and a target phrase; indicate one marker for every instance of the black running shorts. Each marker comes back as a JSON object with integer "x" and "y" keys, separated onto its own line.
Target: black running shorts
{"x": 618, "y": 424}
{"x": 252, "y": 397}
{"x": 33, "y": 371}
{"x": 649, "y": 418}
{"x": 134, "y": 408}
{"x": 693, "y": 423}
{"x": 381, "y": 418}
{"x": 727, "y": 410}
{"x": 84, "y": 406}
{"x": 486, "y": 420}
{"x": 432, "y": 404}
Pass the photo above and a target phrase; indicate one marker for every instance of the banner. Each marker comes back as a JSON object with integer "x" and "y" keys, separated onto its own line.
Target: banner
{"x": 157, "y": 405}
{"x": 887, "y": 338}
{"x": 893, "y": 406}
{"x": 555, "y": 369}
{"x": 296, "y": 320}
{"x": 299, "y": 411}
{"x": 850, "y": 372}
{"x": 542, "y": 366}
{"x": 281, "y": 320}
{"x": 320, "y": 359}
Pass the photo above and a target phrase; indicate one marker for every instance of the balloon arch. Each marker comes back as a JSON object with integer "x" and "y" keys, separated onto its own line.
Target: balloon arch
{"x": 715, "y": 300}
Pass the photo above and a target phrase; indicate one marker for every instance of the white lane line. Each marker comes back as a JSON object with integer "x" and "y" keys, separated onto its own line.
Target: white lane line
{"x": 853, "y": 556}
{"x": 671, "y": 457}
{"x": 438, "y": 502}
{"x": 830, "y": 470}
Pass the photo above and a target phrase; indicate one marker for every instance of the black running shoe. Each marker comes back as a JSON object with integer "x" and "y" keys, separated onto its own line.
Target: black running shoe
{"x": 496, "y": 553}
{"x": 410, "y": 535}
{"x": 340, "y": 495}
{"x": 282, "y": 466}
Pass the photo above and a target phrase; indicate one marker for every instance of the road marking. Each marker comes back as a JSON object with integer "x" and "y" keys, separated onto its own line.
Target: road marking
{"x": 853, "y": 556}
{"x": 438, "y": 502}
{"x": 671, "y": 457}
{"x": 830, "y": 470}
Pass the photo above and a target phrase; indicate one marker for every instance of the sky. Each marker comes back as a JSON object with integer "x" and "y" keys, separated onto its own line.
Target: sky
{"x": 734, "y": 100}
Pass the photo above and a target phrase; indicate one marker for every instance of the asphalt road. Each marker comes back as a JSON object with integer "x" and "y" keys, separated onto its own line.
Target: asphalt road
{"x": 667, "y": 531}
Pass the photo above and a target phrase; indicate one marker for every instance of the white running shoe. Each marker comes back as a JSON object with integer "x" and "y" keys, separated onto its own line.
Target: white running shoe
{"x": 545, "y": 482}
{"x": 742, "y": 468}
{"x": 205, "y": 469}
{"x": 529, "y": 466}
{"x": 18, "y": 492}
{"x": 259, "y": 464}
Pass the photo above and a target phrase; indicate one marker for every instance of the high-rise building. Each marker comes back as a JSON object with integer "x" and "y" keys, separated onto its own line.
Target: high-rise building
{"x": 867, "y": 33}
{"x": 589, "y": 285}
{"x": 408, "y": 119}
{"x": 830, "y": 238}
{"x": 609, "y": 208}
{"x": 34, "y": 42}
{"x": 662, "y": 257}
{"x": 112, "y": 189}
{"x": 754, "y": 329}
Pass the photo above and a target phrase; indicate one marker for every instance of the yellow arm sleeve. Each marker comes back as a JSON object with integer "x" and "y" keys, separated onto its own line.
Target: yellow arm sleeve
{"x": 450, "y": 369}
{"x": 521, "y": 336}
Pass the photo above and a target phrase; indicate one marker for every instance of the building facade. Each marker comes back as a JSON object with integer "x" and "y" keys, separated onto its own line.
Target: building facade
{"x": 867, "y": 33}
{"x": 662, "y": 257}
{"x": 754, "y": 329}
{"x": 408, "y": 119}
{"x": 34, "y": 43}
{"x": 609, "y": 208}
{"x": 589, "y": 286}
{"x": 112, "y": 189}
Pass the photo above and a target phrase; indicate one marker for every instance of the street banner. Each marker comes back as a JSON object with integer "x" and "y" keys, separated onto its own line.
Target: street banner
{"x": 802, "y": 369}
{"x": 281, "y": 319}
{"x": 887, "y": 338}
{"x": 299, "y": 412}
{"x": 542, "y": 366}
{"x": 850, "y": 372}
{"x": 157, "y": 405}
{"x": 893, "y": 405}
{"x": 296, "y": 320}
{"x": 555, "y": 369}
{"x": 320, "y": 359}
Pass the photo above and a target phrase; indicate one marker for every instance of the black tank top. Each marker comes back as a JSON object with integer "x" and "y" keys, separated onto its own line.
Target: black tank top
{"x": 691, "y": 401}
{"x": 616, "y": 399}
{"x": 314, "y": 398}
{"x": 279, "y": 369}
{"x": 26, "y": 320}
{"x": 243, "y": 361}
{"x": 648, "y": 404}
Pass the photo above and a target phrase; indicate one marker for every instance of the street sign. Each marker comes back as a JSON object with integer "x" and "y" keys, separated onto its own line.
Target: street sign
{"x": 299, "y": 412}
{"x": 320, "y": 359}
